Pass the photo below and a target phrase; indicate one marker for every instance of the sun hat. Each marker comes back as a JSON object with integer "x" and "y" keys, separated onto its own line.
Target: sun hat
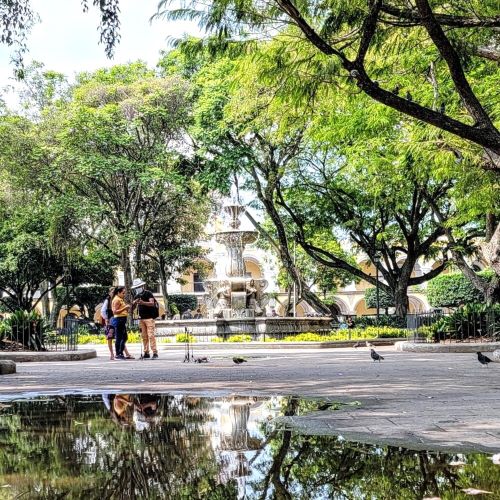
{"x": 137, "y": 283}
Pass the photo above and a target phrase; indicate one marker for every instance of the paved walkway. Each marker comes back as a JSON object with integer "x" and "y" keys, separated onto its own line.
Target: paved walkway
{"x": 419, "y": 400}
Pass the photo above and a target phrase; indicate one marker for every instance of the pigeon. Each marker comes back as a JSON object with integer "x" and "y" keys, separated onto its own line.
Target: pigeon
{"x": 484, "y": 360}
{"x": 368, "y": 344}
{"x": 203, "y": 359}
{"x": 239, "y": 360}
{"x": 375, "y": 355}
{"x": 357, "y": 344}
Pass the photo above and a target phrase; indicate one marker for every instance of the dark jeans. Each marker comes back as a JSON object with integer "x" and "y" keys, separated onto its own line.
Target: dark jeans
{"x": 121, "y": 337}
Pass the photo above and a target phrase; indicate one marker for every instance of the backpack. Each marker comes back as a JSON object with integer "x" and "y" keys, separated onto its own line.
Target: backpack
{"x": 156, "y": 308}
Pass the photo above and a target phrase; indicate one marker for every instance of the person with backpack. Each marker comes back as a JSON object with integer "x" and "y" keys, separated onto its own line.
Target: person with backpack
{"x": 109, "y": 329}
{"x": 148, "y": 310}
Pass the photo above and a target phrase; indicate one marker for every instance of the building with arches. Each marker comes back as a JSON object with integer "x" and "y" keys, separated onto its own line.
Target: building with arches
{"x": 261, "y": 264}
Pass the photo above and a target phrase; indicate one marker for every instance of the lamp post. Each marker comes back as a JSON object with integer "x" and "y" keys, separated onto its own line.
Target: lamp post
{"x": 376, "y": 260}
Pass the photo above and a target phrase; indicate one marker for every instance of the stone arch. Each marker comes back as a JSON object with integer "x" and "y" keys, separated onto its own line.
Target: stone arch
{"x": 341, "y": 305}
{"x": 416, "y": 305}
{"x": 360, "y": 308}
{"x": 253, "y": 267}
{"x": 302, "y": 308}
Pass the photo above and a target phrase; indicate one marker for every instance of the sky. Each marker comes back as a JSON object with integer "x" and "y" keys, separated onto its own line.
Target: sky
{"x": 67, "y": 40}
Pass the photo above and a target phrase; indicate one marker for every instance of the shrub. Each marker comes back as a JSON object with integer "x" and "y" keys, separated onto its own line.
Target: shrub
{"x": 305, "y": 337}
{"x": 184, "y": 302}
{"x": 449, "y": 290}
{"x": 185, "y": 337}
{"x": 25, "y": 328}
{"x": 384, "y": 320}
{"x": 385, "y": 300}
{"x": 469, "y": 321}
{"x": 239, "y": 338}
{"x": 86, "y": 338}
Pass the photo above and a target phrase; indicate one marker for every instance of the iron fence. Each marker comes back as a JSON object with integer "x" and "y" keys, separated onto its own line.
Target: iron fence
{"x": 460, "y": 326}
{"x": 25, "y": 332}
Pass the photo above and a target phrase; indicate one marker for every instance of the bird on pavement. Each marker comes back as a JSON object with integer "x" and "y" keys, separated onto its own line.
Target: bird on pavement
{"x": 357, "y": 344}
{"x": 484, "y": 360}
{"x": 368, "y": 344}
{"x": 375, "y": 355}
{"x": 239, "y": 360}
{"x": 203, "y": 359}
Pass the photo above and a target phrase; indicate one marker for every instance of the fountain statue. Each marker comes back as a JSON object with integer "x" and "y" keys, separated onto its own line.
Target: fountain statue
{"x": 236, "y": 302}
{"x": 234, "y": 295}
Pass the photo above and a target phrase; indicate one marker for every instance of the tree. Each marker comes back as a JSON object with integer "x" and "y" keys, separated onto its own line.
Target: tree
{"x": 357, "y": 40}
{"x": 315, "y": 181}
{"x": 117, "y": 150}
{"x": 451, "y": 290}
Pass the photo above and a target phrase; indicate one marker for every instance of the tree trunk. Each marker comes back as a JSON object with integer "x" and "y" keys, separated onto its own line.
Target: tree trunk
{"x": 45, "y": 302}
{"x": 401, "y": 301}
{"x": 163, "y": 284}
{"x": 127, "y": 269}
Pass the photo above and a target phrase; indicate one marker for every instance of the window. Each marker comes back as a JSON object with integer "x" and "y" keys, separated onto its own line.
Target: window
{"x": 198, "y": 283}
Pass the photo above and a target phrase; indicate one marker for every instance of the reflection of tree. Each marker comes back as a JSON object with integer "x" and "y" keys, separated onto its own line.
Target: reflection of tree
{"x": 329, "y": 467}
{"x": 72, "y": 448}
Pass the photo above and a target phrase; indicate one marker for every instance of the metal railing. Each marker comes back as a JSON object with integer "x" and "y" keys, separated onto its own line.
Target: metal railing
{"x": 28, "y": 333}
{"x": 460, "y": 326}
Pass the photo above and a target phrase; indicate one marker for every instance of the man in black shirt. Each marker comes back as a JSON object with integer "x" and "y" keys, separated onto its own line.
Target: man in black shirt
{"x": 148, "y": 312}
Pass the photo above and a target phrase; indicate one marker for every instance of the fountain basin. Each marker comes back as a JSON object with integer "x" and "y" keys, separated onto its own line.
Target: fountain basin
{"x": 205, "y": 329}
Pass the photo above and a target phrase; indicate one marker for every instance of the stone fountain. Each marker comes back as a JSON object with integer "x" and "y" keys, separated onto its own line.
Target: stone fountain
{"x": 234, "y": 295}
{"x": 236, "y": 303}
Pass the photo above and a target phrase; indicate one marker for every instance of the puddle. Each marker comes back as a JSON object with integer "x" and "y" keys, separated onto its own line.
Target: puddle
{"x": 158, "y": 446}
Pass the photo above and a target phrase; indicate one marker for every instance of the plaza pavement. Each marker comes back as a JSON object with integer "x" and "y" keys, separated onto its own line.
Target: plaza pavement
{"x": 419, "y": 400}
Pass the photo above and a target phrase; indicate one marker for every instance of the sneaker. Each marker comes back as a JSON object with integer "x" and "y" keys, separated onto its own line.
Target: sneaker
{"x": 155, "y": 355}
{"x": 119, "y": 356}
{"x": 146, "y": 355}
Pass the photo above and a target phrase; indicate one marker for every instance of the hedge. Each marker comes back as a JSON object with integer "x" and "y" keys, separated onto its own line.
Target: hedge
{"x": 385, "y": 300}
{"x": 449, "y": 290}
{"x": 184, "y": 302}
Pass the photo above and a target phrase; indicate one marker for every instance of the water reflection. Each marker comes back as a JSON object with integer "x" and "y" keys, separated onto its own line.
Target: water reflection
{"x": 153, "y": 446}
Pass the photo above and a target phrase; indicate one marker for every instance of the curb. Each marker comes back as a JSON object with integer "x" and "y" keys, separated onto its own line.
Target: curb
{"x": 25, "y": 357}
{"x": 428, "y": 347}
{"x": 273, "y": 345}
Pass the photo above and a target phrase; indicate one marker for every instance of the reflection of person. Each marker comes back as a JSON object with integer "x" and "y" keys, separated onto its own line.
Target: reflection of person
{"x": 147, "y": 314}
{"x": 119, "y": 321}
{"x": 145, "y": 409}
{"x": 350, "y": 323}
{"x": 198, "y": 314}
{"x": 274, "y": 314}
{"x": 120, "y": 407}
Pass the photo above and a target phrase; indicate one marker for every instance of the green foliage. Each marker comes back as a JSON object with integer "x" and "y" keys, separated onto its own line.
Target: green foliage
{"x": 470, "y": 321}
{"x": 185, "y": 338}
{"x": 385, "y": 299}
{"x": 184, "y": 302}
{"x": 239, "y": 338}
{"x": 23, "y": 329}
{"x": 353, "y": 334}
{"x": 134, "y": 337}
{"x": 383, "y": 320}
{"x": 451, "y": 290}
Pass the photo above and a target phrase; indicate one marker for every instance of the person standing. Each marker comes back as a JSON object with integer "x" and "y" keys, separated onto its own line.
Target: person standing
{"x": 107, "y": 315}
{"x": 148, "y": 312}
{"x": 120, "y": 313}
